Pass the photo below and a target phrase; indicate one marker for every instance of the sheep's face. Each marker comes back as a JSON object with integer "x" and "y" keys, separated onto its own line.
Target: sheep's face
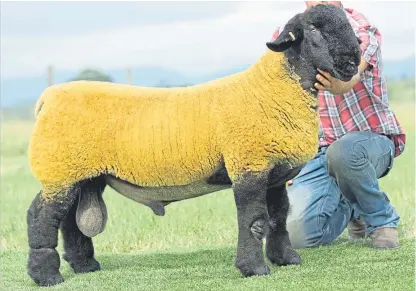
{"x": 321, "y": 37}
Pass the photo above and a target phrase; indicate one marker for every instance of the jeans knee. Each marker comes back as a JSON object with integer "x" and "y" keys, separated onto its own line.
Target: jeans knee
{"x": 335, "y": 158}
{"x": 343, "y": 156}
{"x": 301, "y": 236}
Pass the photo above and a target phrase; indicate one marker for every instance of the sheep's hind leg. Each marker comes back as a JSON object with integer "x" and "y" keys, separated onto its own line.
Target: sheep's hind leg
{"x": 79, "y": 249}
{"x": 278, "y": 247}
{"x": 250, "y": 198}
{"x": 43, "y": 220}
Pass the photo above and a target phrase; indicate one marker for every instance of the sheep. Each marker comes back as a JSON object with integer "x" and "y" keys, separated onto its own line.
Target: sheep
{"x": 251, "y": 131}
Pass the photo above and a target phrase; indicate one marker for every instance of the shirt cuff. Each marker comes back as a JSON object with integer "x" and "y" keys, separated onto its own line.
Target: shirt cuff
{"x": 369, "y": 45}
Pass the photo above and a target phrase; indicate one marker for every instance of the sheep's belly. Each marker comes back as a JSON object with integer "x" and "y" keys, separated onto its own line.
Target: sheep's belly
{"x": 157, "y": 197}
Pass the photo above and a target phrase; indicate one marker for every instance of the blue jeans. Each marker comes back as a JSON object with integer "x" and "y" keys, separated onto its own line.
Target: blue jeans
{"x": 338, "y": 185}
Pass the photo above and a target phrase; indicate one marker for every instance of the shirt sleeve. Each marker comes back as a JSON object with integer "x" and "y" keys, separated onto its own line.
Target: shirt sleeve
{"x": 371, "y": 40}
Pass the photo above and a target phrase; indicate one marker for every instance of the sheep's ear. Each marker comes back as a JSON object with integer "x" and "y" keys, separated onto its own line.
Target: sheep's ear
{"x": 290, "y": 34}
{"x": 284, "y": 41}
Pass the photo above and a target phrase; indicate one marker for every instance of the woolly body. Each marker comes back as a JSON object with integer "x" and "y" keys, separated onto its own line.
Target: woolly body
{"x": 251, "y": 131}
{"x": 155, "y": 137}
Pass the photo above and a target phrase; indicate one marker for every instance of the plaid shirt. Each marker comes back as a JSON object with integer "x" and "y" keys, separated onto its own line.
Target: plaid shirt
{"x": 365, "y": 107}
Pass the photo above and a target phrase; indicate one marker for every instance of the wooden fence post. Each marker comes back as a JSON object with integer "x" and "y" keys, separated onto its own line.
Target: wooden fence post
{"x": 129, "y": 76}
{"x": 50, "y": 75}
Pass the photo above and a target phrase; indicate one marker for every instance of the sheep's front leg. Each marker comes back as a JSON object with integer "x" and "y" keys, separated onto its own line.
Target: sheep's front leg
{"x": 278, "y": 247}
{"x": 250, "y": 199}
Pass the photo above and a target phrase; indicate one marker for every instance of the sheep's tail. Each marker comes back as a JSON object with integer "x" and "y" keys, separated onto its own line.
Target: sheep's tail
{"x": 41, "y": 101}
{"x": 38, "y": 106}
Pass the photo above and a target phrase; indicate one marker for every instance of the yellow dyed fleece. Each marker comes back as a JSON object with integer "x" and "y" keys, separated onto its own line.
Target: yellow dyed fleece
{"x": 172, "y": 136}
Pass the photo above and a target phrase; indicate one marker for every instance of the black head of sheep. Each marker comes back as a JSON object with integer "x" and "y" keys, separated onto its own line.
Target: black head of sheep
{"x": 321, "y": 37}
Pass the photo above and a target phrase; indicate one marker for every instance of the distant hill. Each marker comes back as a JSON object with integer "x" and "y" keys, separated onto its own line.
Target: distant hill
{"x": 25, "y": 91}
{"x": 401, "y": 69}
{"x": 402, "y": 90}
{"x": 23, "y": 112}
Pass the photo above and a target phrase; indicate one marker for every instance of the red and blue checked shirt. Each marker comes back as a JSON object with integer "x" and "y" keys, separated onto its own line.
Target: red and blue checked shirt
{"x": 365, "y": 107}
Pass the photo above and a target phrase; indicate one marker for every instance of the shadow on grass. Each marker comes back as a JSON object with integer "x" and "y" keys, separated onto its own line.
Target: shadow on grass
{"x": 213, "y": 268}
{"x": 222, "y": 257}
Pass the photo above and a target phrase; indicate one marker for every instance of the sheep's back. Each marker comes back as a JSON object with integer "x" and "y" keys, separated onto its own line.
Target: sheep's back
{"x": 169, "y": 142}
{"x": 147, "y": 136}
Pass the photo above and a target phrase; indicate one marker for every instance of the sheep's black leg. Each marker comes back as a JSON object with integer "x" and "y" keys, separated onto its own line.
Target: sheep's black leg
{"x": 79, "y": 249}
{"x": 278, "y": 247}
{"x": 43, "y": 220}
{"x": 250, "y": 198}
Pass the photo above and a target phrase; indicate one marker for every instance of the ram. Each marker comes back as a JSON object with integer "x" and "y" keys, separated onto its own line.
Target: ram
{"x": 250, "y": 131}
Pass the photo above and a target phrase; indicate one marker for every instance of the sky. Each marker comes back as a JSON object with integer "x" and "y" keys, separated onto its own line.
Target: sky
{"x": 189, "y": 37}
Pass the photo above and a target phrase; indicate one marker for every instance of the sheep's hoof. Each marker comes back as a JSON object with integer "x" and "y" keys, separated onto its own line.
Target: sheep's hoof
{"x": 84, "y": 266}
{"x": 43, "y": 267}
{"x": 290, "y": 257}
{"x": 51, "y": 281}
{"x": 91, "y": 266}
{"x": 44, "y": 280}
{"x": 248, "y": 271}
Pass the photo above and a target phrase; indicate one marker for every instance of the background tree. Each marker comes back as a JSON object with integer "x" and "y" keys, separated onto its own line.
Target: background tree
{"x": 164, "y": 84}
{"x": 92, "y": 75}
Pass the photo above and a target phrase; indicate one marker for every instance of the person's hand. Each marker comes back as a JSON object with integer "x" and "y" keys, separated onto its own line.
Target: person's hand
{"x": 331, "y": 84}
{"x": 335, "y": 86}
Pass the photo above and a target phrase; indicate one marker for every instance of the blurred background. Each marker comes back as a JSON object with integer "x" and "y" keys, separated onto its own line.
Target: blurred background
{"x": 161, "y": 43}
{"x": 164, "y": 44}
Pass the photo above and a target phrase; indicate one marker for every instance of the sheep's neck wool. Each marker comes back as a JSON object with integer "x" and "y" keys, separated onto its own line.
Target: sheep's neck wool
{"x": 275, "y": 122}
{"x": 173, "y": 136}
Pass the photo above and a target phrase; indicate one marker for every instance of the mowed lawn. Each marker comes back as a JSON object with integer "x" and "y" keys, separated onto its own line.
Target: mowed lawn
{"x": 193, "y": 246}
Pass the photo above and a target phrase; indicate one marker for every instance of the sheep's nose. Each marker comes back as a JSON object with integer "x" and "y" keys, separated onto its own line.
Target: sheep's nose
{"x": 350, "y": 67}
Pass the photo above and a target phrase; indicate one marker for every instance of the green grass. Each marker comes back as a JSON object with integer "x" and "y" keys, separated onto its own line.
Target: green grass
{"x": 193, "y": 245}
{"x": 343, "y": 266}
